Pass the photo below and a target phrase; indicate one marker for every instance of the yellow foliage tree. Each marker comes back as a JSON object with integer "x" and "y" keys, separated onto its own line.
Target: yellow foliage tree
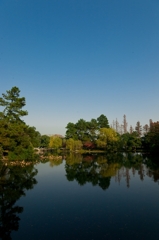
{"x": 73, "y": 145}
{"x": 106, "y": 136}
{"x": 55, "y": 142}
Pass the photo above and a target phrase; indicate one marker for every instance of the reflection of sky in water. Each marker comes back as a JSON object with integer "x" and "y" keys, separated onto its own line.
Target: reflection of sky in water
{"x": 60, "y": 209}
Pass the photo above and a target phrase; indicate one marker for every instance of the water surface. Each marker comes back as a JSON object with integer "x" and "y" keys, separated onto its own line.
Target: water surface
{"x": 81, "y": 197}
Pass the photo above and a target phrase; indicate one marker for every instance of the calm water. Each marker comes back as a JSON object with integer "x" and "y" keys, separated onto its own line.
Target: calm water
{"x": 81, "y": 197}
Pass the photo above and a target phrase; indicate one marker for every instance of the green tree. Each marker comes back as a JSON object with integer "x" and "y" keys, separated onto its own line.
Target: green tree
{"x": 92, "y": 127}
{"x": 16, "y": 137}
{"x": 13, "y": 104}
{"x": 44, "y": 141}
{"x": 130, "y": 141}
{"x": 102, "y": 121}
{"x": 151, "y": 139}
{"x": 86, "y": 131}
{"x": 81, "y": 130}
{"x": 35, "y": 136}
{"x": 71, "y": 131}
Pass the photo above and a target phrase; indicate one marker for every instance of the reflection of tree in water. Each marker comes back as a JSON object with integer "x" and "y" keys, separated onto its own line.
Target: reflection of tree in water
{"x": 72, "y": 159}
{"x": 153, "y": 167}
{"x": 137, "y": 164}
{"x": 97, "y": 171}
{"x": 55, "y": 162}
{"x": 14, "y": 181}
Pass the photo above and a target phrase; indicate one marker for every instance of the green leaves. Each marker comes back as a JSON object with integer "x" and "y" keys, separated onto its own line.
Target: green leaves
{"x": 13, "y": 104}
{"x": 151, "y": 139}
{"x": 130, "y": 141}
{"x": 86, "y": 131}
{"x": 16, "y": 137}
{"x": 44, "y": 141}
{"x": 71, "y": 131}
{"x": 102, "y": 121}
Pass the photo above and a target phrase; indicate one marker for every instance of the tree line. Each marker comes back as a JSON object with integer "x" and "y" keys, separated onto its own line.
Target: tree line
{"x": 18, "y": 140}
{"x": 96, "y": 134}
{"x": 105, "y": 137}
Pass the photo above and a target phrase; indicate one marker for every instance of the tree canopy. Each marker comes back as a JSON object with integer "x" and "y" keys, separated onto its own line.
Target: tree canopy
{"x": 86, "y": 131}
{"x": 18, "y": 140}
{"x": 16, "y": 137}
{"x": 55, "y": 142}
{"x": 13, "y": 104}
{"x": 151, "y": 139}
{"x": 106, "y": 137}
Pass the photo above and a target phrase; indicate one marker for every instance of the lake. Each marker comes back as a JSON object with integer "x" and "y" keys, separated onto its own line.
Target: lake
{"x": 113, "y": 196}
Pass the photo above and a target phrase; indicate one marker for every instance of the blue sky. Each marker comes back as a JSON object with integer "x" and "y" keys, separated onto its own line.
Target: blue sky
{"x": 75, "y": 59}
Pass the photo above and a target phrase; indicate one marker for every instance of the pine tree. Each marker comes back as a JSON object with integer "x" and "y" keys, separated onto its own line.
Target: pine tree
{"x": 13, "y": 105}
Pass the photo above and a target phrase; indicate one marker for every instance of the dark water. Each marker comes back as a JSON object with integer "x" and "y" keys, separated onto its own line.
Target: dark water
{"x": 81, "y": 197}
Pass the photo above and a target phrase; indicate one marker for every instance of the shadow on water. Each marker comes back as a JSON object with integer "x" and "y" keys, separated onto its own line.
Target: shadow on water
{"x": 14, "y": 181}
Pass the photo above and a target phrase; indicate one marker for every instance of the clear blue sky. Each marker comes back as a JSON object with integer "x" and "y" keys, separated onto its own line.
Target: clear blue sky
{"x": 75, "y": 59}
